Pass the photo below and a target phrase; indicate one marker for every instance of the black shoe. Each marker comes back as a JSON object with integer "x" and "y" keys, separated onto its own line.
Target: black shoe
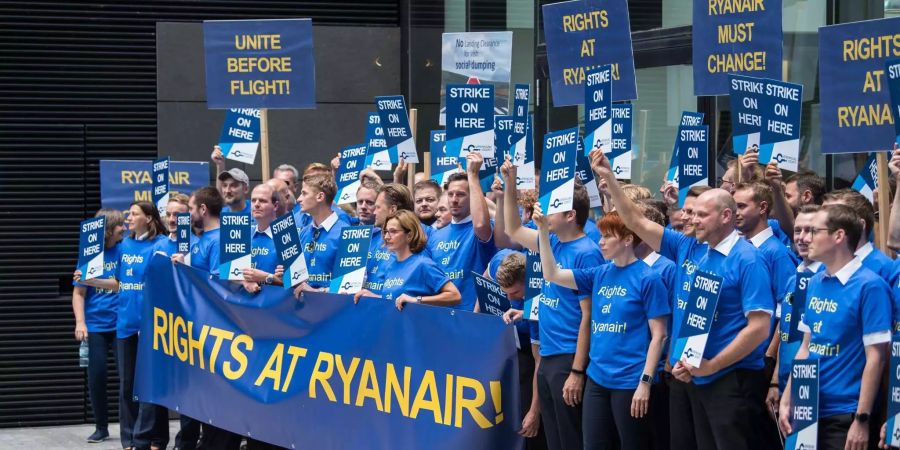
{"x": 98, "y": 436}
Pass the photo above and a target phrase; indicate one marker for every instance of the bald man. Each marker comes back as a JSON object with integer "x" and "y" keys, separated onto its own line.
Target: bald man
{"x": 284, "y": 190}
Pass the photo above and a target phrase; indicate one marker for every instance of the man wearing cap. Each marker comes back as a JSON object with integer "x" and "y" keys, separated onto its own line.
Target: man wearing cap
{"x": 234, "y": 186}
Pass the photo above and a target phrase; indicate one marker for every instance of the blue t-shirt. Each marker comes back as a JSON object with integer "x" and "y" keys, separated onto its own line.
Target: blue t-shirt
{"x": 782, "y": 264}
{"x": 591, "y": 230}
{"x": 780, "y": 235}
{"x": 320, "y": 246}
{"x": 169, "y": 246}
{"x": 245, "y": 209}
{"x": 842, "y": 318}
{"x": 746, "y": 287}
{"x": 623, "y": 300}
{"x": 459, "y": 252}
{"x": 134, "y": 257}
{"x": 876, "y": 261}
{"x": 101, "y": 306}
{"x": 379, "y": 258}
{"x": 895, "y": 297}
{"x": 787, "y": 351}
{"x": 303, "y": 220}
{"x": 262, "y": 248}
{"x": 205, "y": 252}
{"x": 665, "y": 268}
{"x": 560, "y": 309}
{"x": 686, "y": 252}
{"x": 414, "y": 276}
{"x": 526, "y": 329}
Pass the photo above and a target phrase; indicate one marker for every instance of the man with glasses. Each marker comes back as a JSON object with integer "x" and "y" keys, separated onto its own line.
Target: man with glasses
{"x": 319, "y": 240}
{"x": 870, "y": 257}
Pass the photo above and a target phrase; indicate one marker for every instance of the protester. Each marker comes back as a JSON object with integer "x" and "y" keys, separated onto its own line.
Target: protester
{"x": 289, "y": 175}
{"x": 264, "y": 259}
{"x": 410, "y": 276}
{"x": 178, "y": 203}
{"x": 426, "y": 194}
{"x": 565, "y": 314}
{"x": 319, "y": 240}
{"x": 284, "y": 192}
{"x": 871, "y": 258}
{"x": 804, "y": 188}
{"x": 846, "y": 325}
{"x": 365, "y": 202}
{"x": 235, "y": 187}
{"x": 95, "y": 303}
{"x": 467, "y": 243}
{"x": 390, "y": 199}
{"x": 443, "y": 217}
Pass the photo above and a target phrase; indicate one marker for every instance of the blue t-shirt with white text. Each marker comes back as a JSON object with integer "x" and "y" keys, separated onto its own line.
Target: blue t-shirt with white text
{"x": 205, "y": 252}
{"x": 262, "y": 251}
{"x": 416, "y": 275}
{"x": 458, "y": 251}
{"x": 101, "y": 306}
{"x": 320, "y": 248}
{"x": 134, "y": 258}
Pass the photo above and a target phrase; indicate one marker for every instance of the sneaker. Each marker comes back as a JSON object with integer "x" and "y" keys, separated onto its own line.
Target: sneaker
{"x": 98, "y": 436}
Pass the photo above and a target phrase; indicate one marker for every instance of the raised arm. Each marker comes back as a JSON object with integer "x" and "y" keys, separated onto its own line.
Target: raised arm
{"x": 525, "y": 237}
{"x": 481, "y": 217}
{"x": 501, "y": 239}
{"x": 218, "y": 160}
{"x": 894, "y": 224}
{"x": 552, "y": 273}
{"x": 648, "y": 230}
{"x": 781, "y": 211}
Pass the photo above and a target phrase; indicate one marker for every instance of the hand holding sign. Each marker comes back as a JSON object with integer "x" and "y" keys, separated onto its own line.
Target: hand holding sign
{"x": 600, "y": 165}
{"x": 508, "y": 172}
{"x": 474, "y": 160}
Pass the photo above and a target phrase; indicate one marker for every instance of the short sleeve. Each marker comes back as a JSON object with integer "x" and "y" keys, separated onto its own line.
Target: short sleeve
{"x": 433, "y": 278}
{"x": 587, "y": 260}
{"x": 784, "y": 278}
{"x": 213, "y": 249}
{"x": 534, "y": 330}
{"x": 875, "y": 312}
{"x": 655, "y": 296}
{"x": 584, "y": 278}
{"x": 756, "y": 286}
{"x": 672, "y": 241}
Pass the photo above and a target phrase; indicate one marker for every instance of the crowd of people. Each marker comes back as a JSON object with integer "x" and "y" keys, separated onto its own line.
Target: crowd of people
{"x": 597, "y": 370}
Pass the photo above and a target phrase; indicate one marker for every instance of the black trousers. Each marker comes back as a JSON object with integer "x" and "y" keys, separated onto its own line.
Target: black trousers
{"x": 562, "y": 423}
{"x": 833, "y": 432}
{"x": 100, "y": 343}
{"x": 659, "y": 414}
{"x": 607, "y": 415}
{"x": 729, "y": 412}
{"x": 526, "y": 372}
{"x": 141, "y": 425}
{"x": 188, "y": 435}
{"x": 681, "y": 415}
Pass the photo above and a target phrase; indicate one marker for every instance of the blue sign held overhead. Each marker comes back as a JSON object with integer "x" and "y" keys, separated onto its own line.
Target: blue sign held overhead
{"x": 558, "y": 171}
{"x": 525, "y": 176}
{"x": 160, "y": 191}
{"x": 621, "y": 154}
{"x": 866, "y": 181}
{"x": 353, "y": 159}
{"x": 698, "y": 318}
{"x": 349, "y": 271}
{"x": 892, "y": 428}
{"x": 124, "y": 182}
{"x": 287, "y": 244}
{"x": 855, "y": 110}
{"x": 584, "y": 34}
{"x": 377, "y": 156}
{"x": 693, "y": 162}
{"x": 398, "y": 135}
{"x": 470, "y": 120}
{"x": 520, "y": 124}
{"x": 442, "y": 164}
{"x": 746, "y": 112}
{"x": 487, "y": 172}
{"x": 688, "y": 119}
{"x": 779, "y": 139}
{"x": 804, "y": 405}
{"x": 892, "y": 69}
{"x": 259, "y": 63}
{"x": 735, "y": 38}
{"x": 234, "y": 245}
{"x": 491, "y": 298}
{"x": 586, "y": 174}
{"x": 183, "y": 235}
{"x": 534, "y": 282}
{"x": 91, "y": 246}
{"x": 504, "y": 133}
{"x": 598, "y": 110}
{"x": 240, "y": 135}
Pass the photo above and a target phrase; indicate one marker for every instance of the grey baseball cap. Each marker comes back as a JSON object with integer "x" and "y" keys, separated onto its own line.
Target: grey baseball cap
{"x": 235, "y": 173}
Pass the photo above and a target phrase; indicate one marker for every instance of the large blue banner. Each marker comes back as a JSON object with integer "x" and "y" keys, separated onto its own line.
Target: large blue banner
{"x": 743, "y": 37}
{"x": 855, "y": 112}
{"x": 299, "y": 371}
{"x": 259, "y": 63}
{"x": 584, "y": 34}
{"x": 124, "y": 182}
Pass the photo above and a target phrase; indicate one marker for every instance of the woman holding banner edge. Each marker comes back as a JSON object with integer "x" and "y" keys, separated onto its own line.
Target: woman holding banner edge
{"x": 411, "y": 276}
{"x": 629, "y": 305}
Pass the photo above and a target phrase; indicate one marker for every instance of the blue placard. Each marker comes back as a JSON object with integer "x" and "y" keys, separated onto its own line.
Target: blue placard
{"x": 442, "y": 164}
{"x": 520, "y": 124}
{"x": 698, "y": 318}
{"x": 534, "y": 283}
{"x": 892, "y": 69}
{"x": 259, "y": 63}
{"x": 621, "y": 154}
{"x": 491, "y": 298}
{"x": 504, "y": 133}
{"x": 788, "y": 348}
{"x": 377, "y": 155}
{"x": 693, "y": 162}
{"x": 688, "y": 119}
{"x": 487, "y": 172}
{"x": 779, "y": 139}
{"x": 124, "y": 182}
{"x": 558, "y": 171}
{"x": 892, "y": 428}
{"x": 867, "y": 180}
{"x": 581, "y": 35}
{"x": 240, "y": 135}
{"x": 183, "y": 235}
{"x": 353, "y": 159}
{"x": 91, "y": 247}
{"x": 470, "y": 120}
{"x": 287, "y": 244}
{"x": 586, "y": 174}
{"x": 234, "y": 245}
{"x": 394, "y": 122}
{"x": 349, "y": 270}
{"x": 804, "y": 405}
{"x": 855, "y": 110}
{"x": 525, "y": 176}
{"x": 598, "y": 110}
{"x": 735, "y": 38}
{"x": 746, "y": 112}
{"x": 160, "y": 187}
{"x": 300, "y": 370}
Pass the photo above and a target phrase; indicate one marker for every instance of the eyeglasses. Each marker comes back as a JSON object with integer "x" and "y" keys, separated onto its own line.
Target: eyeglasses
{"x": 720, "y": 182}
{"x": 394, "y": 231}
{"x": 816, "y": 230}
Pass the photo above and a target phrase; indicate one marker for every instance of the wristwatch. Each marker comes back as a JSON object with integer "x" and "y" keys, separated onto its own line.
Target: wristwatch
{"x": 861, "y": 417}
{"x": 269, "y": 279}
{"x": 418, "y": 299}
{"x": 647, "y": 379}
